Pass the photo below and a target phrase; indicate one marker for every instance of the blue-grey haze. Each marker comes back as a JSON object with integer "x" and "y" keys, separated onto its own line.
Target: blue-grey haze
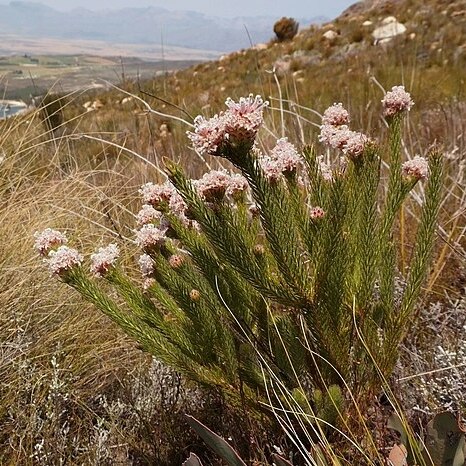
{"x": 225, "y": 8}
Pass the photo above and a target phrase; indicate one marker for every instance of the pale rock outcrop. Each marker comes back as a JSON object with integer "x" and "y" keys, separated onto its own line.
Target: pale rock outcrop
{"x": 389, "y": 29}
{"x": 330, "y": 35}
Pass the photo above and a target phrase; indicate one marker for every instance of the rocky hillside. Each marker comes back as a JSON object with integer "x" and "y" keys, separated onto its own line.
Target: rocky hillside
{"x": 373, "y": 44}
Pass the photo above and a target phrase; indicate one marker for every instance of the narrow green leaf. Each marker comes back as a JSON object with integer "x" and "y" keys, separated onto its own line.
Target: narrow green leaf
{"x": 216, "y": 443}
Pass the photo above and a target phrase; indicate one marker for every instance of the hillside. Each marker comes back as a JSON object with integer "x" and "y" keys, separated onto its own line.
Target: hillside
{"x": 339, "y": 61}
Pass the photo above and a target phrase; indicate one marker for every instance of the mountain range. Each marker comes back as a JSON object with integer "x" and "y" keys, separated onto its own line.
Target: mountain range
{"x": 150, "y": 25}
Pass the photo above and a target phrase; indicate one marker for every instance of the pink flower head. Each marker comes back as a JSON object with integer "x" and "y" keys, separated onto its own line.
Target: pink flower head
{"x": 334, "y": 136}
{"x": 244, "y": 118}
{"x": 149, "y": 237}
{"x": 104, "y": 259}
{"x": 335, "y": 115}
{"x": 286, "y": 155}
{"x": 146, "y": 265}
{"x": 48, "y": 239}
{"x": 237, "y": 186}
{"x": 317, "y": 213}
{"x": 147, "y": 215}
{"x": 271, "y": 168}
{"x": 283, "y": 158}
{"x": 176, "y": 261}
{"x": 417, "y": 168}
{"x": 213, "y": 185}
{"x": 208, "y": 135}
{"x": 238, "y": 124}
{"x": 63, "y": 259}
{"x": 355, "y": 144}
{"x": 156, "y": 194}
{"x": 396, "y": 101}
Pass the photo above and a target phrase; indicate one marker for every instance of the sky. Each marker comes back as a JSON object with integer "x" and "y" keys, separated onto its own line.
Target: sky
{"x": 225, "y": 8}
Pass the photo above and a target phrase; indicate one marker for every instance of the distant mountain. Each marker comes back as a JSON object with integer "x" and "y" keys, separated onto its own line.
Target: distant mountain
{"x": 151, "y": 25}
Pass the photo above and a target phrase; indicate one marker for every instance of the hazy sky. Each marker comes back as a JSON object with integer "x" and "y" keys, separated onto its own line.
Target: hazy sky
{"x": 294, "y": 8}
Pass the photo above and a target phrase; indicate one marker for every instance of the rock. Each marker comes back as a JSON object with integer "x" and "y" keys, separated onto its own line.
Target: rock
{"x": 299, "y": 59}
{"x": 305, "y": 58}
{"x": 389, "y": 20}
{"x": 261, "y": 47}
{"x": 390, "y": 28}
{"x": 367, "y": 23}
{"x": 349, "y": 50}
{"x": 330, "y": 35}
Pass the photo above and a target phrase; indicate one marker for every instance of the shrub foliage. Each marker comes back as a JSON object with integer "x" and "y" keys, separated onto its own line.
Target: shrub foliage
{"x": 285, "y": 29}
{"x": 282, "y": 272}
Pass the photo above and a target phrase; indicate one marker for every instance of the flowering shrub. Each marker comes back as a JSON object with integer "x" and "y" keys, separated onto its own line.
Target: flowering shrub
{"x": 284, "y": 270}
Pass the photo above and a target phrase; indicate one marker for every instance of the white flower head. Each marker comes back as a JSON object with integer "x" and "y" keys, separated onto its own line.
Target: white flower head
{"x": 104, "y": 259}
{"x": 47, "y": 240}
{"x": 63, "y": 259}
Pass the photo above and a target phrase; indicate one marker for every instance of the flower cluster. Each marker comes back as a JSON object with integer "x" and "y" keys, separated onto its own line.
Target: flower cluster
{"x": 148, "y": 215}
{"x": 237, "y": 186}
{"x": 47, "y": 240}
{"x": 244, "y": 118}
{"x": 176, "y": 261}
{"x": 50, "y": 244}
{"x": 283, "y": 158}
{"x": 63, "y": 259}
{"x": 156, "y": 194}
{"x": 335, "y": 115}
{"x": 146, "y": 266}
{"x": 104, "y": 259}
{"x": 396, "y": 101}
{"x": 208, "y": 134}
{"x": 239, "y": 124}
{"x": 149, "y": 237}
{"x": 355, "y": 144}
{"x": 160, "y": 198}
{"x": 335, "y": 132}
{"x": 316, "y": 213}
{"x": 416, "y": 168}
{"x": 215, "y": 184}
